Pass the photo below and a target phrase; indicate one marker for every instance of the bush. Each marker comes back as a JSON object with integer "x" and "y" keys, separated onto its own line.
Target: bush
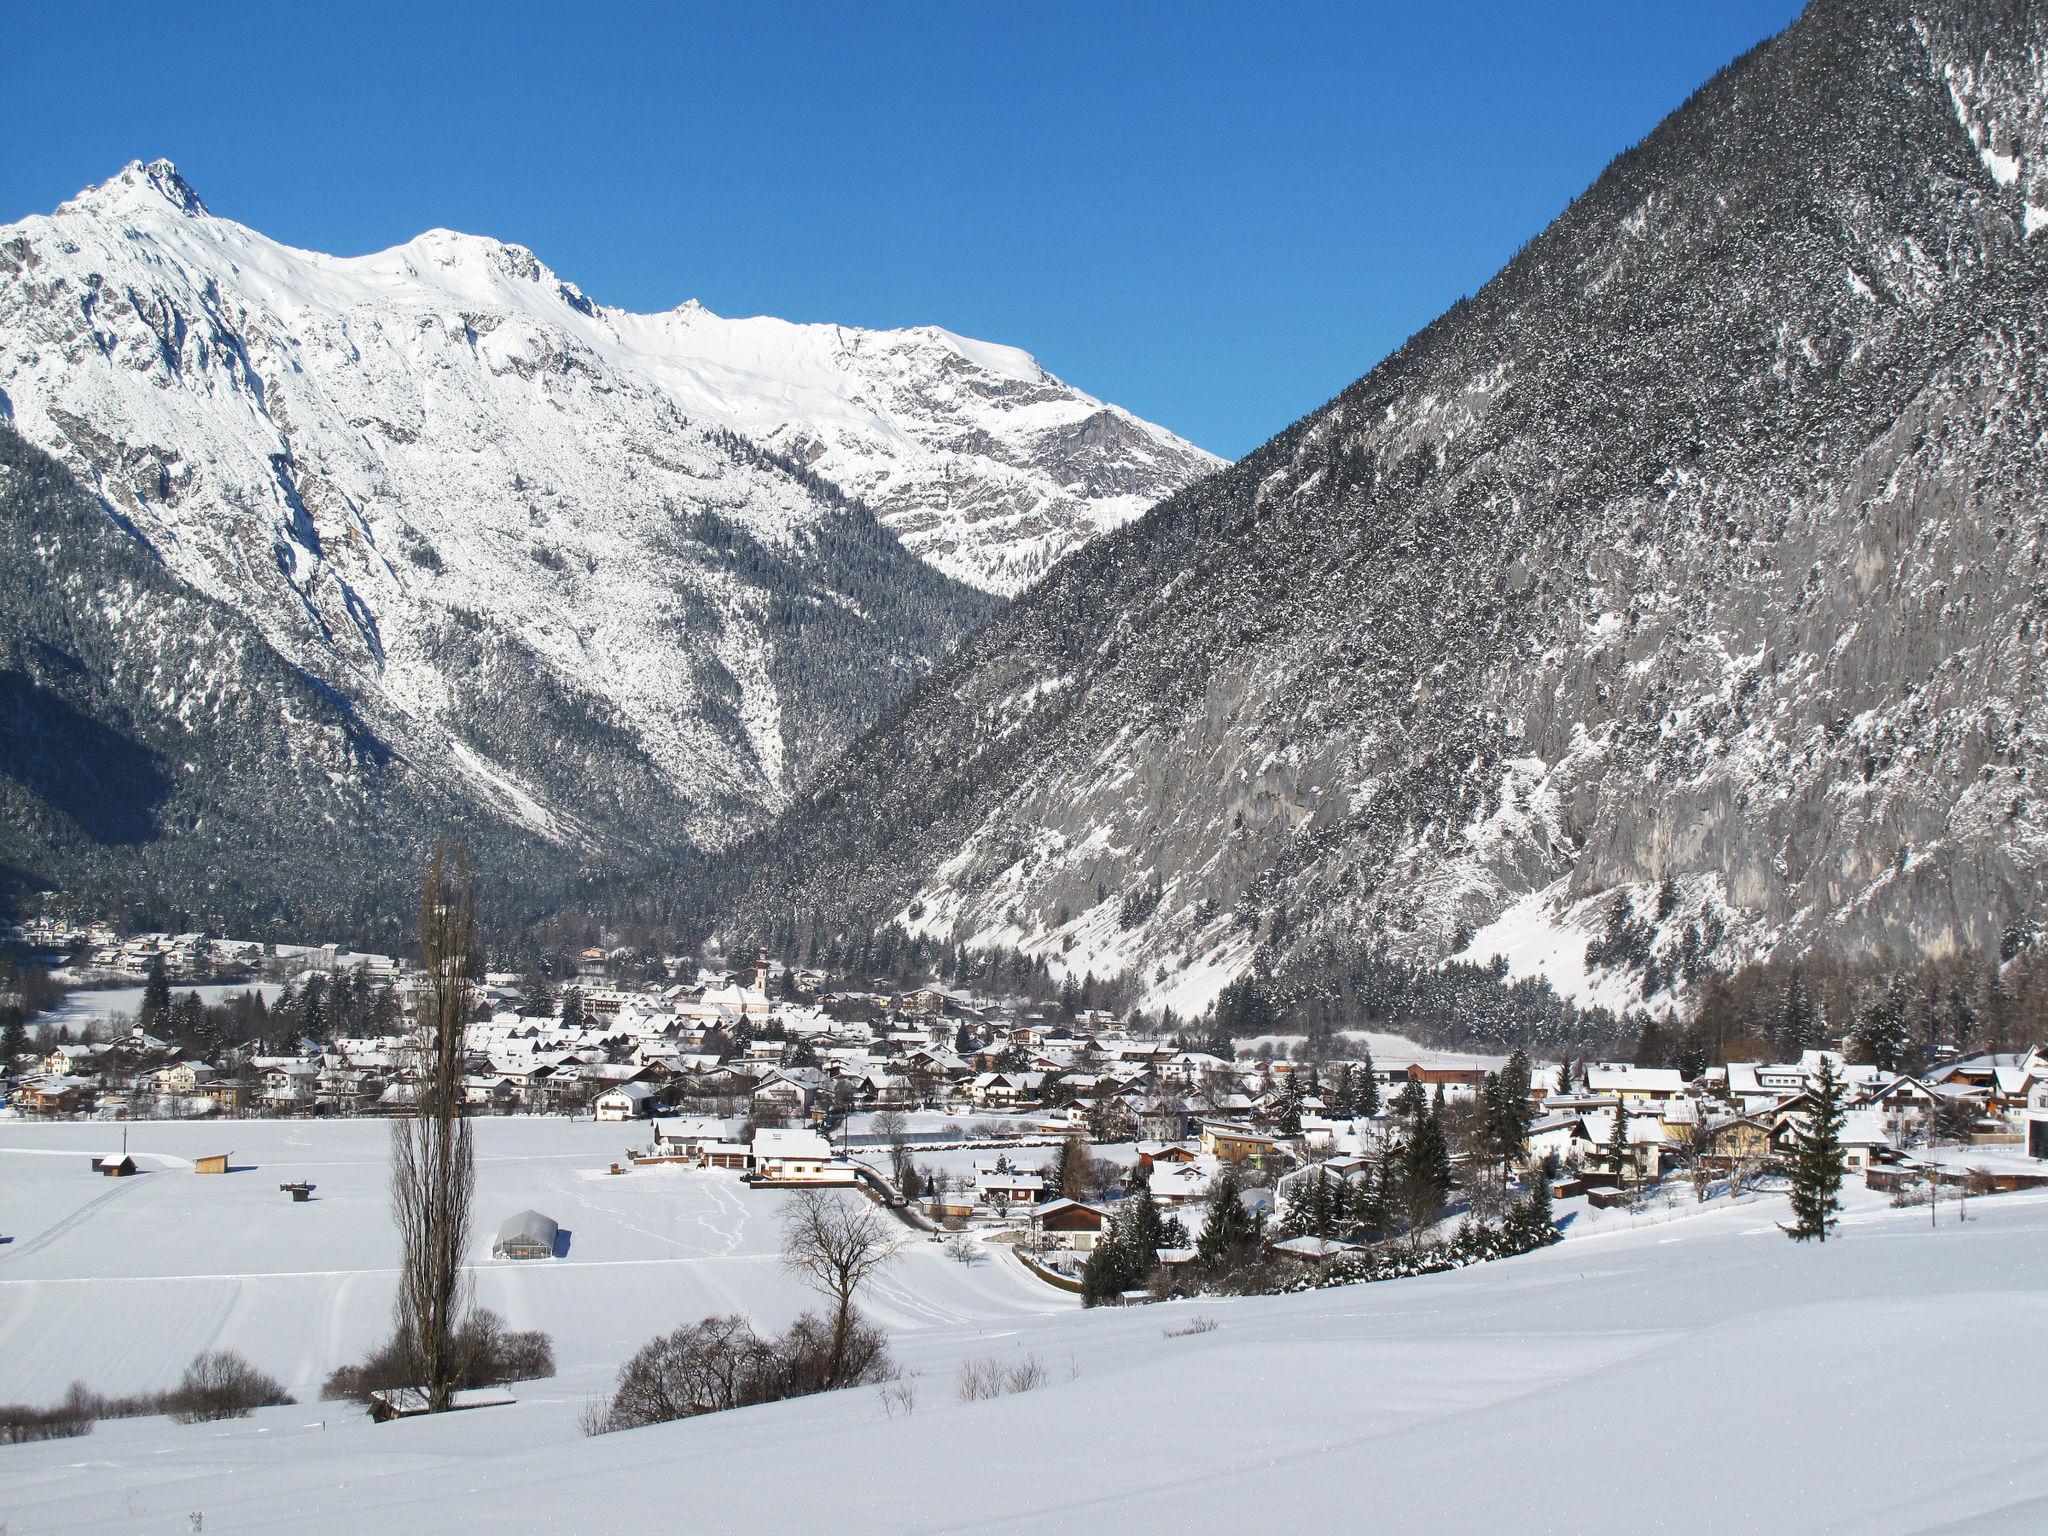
{"x": 220, "y": 1384}
{"x": 992, "y": 1377}
{"x": 19, "y": 1423}
{"x": 720, "y": 1363}
{"x": 487, "y": 1354}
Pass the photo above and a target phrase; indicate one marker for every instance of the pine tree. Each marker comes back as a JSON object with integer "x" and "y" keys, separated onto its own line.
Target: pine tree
{"x": 573, "y": 1014}
{"x": 1288, "y": 1120}
{"x": 1342, "y": 1104}
{"x": 1533, "y": 1224}
{"x": 13, "y": 1042}
{"x": 1615, "y": 1155}
{"x": 1880, "y": 1036}
{"x": 1365, "y": 1091}
{"x": 1817, "y": 1169}
{"x": 156, "y": 995}
{"x": 1311, "y": 1210}
{"x": 1410, "y": 1102}
{"x": 1230, "y": 1230}
{"x": 1425, "y": 1172}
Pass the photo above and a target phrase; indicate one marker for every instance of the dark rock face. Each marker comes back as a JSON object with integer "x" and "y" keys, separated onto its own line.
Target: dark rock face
{"x": 1703, "y": 545}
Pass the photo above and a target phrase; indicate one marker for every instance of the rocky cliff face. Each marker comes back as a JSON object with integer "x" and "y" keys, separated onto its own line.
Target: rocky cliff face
{"x": 1697, "y": 560}
{"x": 606, "y": 579}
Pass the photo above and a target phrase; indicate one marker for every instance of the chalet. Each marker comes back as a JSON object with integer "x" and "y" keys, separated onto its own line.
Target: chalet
{"x": 795, "y": 1156}
{"x": 1237, "y": 1143}
{"x": 1074, "y": 1223}
{"x": 626, "y": 1101}
{"x": 2037, "y": 1122}
{"x": 1001, "y": 1187}
{"x": 1737, "y": 1139}
{"x": 1903, "y": 1100}
{"x": 692, "y": 1136}
{"x": 528, "y": 1235}
{"x": 1637, "y": 1087}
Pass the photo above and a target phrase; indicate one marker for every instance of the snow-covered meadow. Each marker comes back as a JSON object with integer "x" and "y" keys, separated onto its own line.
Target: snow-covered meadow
{"x": 119, "y": 1282}
{"x": 1691, "y": 1372}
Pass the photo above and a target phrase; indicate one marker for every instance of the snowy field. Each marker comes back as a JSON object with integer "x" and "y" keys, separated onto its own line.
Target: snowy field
{"x": 119, "y": 1282}
{"x": 1691, "y": 1373}
{"x": 103, "y": 1006}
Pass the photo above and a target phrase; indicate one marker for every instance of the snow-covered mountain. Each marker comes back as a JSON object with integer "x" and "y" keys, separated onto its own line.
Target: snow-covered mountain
{"x": 540, "y": 547}
{"x": 1688, "y": 579}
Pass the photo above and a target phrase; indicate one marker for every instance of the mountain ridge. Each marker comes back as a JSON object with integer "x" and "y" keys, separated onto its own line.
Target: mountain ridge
{"x": 1573, "y": 597}
{"x": 448, "y": 489}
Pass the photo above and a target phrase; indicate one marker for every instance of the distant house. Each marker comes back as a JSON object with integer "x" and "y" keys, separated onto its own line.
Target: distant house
{"x": 528, "y": 1235}
{"x": 1237, "y": 1143}
{"x": 1076, "y": 1223}
{"x": 1006, "y": 1187}
{"x": 802, "y": 1156}
{"x": 1637, "y": 1087}
{"x": 115, "y": 1165}
{"x": 627, "y": 1101}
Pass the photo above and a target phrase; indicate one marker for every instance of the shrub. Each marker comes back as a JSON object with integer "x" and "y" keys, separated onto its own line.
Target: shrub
{"x": 220, "y": 1384}
{"x": 1202, "y": 1324}
{"x": 720, "y": 1363}
{"x": 487, "y": 1354}
{"x": 990, "y": 1376}
{"x": 19, "y": 1423}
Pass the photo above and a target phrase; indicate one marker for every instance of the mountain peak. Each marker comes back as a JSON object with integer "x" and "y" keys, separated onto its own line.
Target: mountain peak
{"x": 138, "y": 183}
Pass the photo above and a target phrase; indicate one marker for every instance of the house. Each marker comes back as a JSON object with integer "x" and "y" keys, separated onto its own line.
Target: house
{"x": 626, "y": 1101}
{"x": 1738, "y": 1139}
{"x": 1074, "y": 1223}
{"x": 528, "y": 1235}
{"x": 1637, "y": 1087}
{"x": 1001, "y": 1187}
{"x": 797, "y": 1156}
{"x": 1237, "y": 1143}
{"x": 115, "y": 1165}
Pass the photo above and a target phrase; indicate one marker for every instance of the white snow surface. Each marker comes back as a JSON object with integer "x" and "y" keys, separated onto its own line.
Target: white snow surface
{"x": 1717, "y": 1377}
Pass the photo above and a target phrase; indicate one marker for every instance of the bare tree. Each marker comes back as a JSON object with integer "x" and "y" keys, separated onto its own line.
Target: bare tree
{"x": 836, "y": 1244}
{"x": 894, "y": 1131}
{"x": 433, "y": 1164}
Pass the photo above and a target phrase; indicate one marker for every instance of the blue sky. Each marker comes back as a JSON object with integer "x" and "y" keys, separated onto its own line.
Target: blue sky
{"x": 1217, "y": 215}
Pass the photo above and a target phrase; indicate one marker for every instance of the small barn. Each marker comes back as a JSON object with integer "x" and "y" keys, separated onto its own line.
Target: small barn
{"x": 529, "y": 1235}
{"x": 115, "y": 1165}
{"x": 214, "y": 1163}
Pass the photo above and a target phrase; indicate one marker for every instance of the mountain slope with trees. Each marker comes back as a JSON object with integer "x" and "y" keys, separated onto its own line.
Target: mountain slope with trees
{"x": 1695, "y": 563}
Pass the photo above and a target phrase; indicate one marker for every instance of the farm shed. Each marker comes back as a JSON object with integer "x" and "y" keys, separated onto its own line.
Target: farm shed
{"x": 215, "y": 1163}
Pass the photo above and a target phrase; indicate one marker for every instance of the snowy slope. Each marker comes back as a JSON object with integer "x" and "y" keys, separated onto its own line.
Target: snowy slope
{"x": 1694, "y": 1375}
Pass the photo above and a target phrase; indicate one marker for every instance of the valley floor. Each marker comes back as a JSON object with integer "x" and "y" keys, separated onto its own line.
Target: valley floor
{"x": 1696, "y": 1372}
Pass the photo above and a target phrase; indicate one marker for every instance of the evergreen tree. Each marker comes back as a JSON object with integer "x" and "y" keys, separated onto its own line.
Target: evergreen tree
{"x": 1365, "y": 1089}
{"x": 1342, "y": 1104}
{"x": 1532, "y": 1224}
{"x": 1425, "y": 1172}
{"x": 1411, "y": 1101}
{"x": 573, "y": 1015}
{"x": 13, "y": 1042}
{"x": 1817, "y": 1168}
{"x": 156, "y": 996}
{"x": 1311, "y": 1210}
{"x": 1287, "y": 1121}
{"x": 1230, "y": 1232}
{"x": 1615, "y": 1154}
{"x": 1880, "y": 1036}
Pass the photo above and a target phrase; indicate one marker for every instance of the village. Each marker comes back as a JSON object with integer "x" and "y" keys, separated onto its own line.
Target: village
{"x": 1019, "y": 1123}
